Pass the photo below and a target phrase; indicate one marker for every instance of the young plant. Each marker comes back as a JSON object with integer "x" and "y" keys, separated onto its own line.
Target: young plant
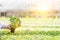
{"x": 14, "y": 23}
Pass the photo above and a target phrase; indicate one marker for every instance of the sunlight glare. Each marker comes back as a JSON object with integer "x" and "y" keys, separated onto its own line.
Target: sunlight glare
{"x": 43, "y": 7}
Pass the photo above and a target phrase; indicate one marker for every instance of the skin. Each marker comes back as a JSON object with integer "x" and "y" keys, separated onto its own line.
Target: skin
{"x": 7, "y": 27}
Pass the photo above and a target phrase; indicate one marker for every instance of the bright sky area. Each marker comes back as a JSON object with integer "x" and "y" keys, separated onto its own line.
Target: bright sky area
{"x": 29, "y": 4}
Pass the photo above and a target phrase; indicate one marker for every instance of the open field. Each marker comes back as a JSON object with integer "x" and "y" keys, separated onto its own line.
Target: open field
{"x": 31, "y": 33}
{"x": 51, "y": 22}
{"x": 33, "y": 29}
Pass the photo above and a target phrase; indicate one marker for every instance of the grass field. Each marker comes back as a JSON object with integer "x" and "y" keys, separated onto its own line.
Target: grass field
{"x": 32, "y": 31}
{"x": 52, "y": 22}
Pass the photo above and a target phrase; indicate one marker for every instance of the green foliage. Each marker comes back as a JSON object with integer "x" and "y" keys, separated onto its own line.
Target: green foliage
{"x": 14, "y": 22}
{"x": 30, "y": 35}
